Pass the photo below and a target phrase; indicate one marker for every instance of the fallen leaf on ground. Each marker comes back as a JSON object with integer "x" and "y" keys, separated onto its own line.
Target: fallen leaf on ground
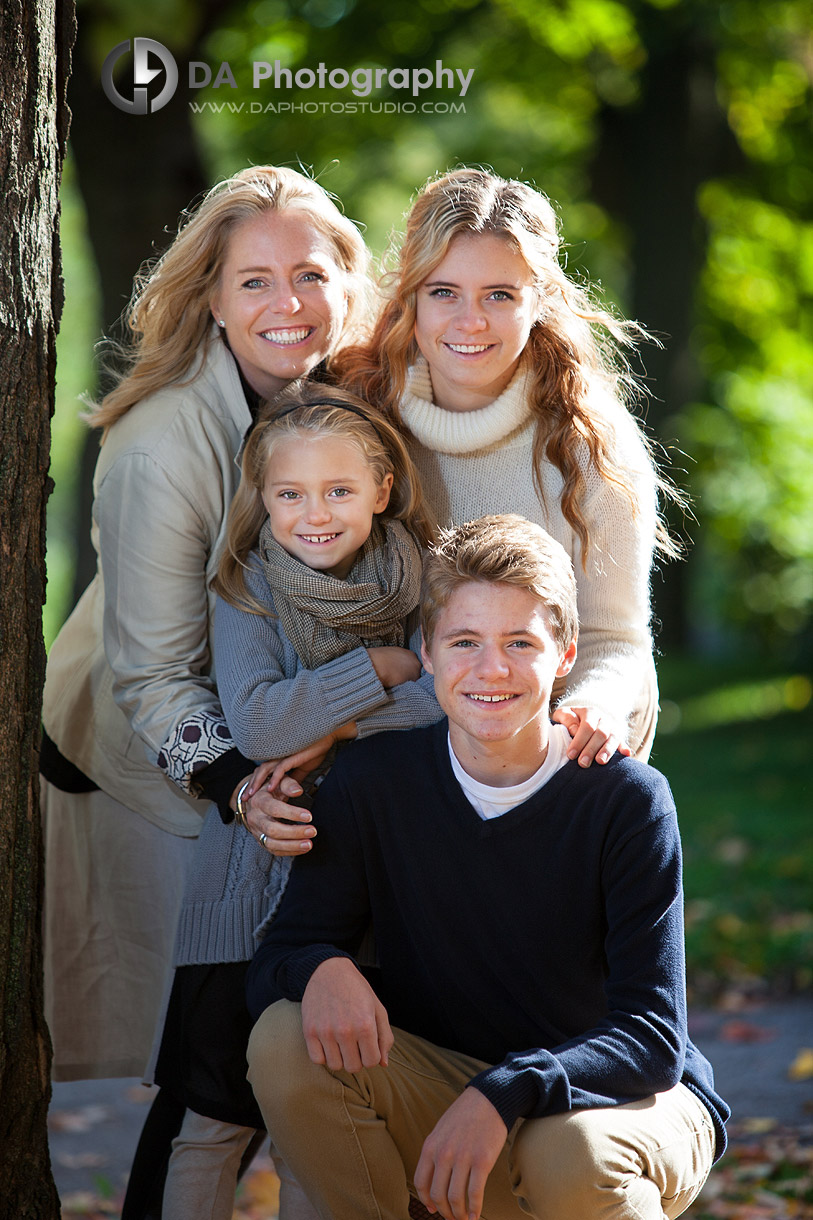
{"x": 768, "y": 1178}
{"x": 745, "y": 1031}
{"x": 84, "y": 1205}
{"x": 259, "y": 1195}
{"x": 758, "y": 1126}
{"x": 77, "y": 1120}
{"x": 81, "y": 1160}
{"x": 802, "y": 1066}
{"x": 141, "y": 1094}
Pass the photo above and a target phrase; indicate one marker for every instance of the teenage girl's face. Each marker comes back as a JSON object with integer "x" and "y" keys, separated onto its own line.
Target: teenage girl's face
{"x": 474, "y": 315}
{"x": 321, "y": 496}
{"x": 282, "y": 296}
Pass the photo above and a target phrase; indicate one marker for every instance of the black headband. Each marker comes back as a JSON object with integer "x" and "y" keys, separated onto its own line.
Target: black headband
{"x": 331, "y": 402}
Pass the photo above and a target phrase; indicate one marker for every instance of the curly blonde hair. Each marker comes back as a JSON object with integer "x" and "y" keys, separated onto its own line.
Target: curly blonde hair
{"x": 168, "y": 317}
{"x": 574, "y": 351}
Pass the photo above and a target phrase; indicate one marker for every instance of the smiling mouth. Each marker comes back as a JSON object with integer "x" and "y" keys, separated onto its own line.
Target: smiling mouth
{"x": 318, "y": 539}
{"x": 491, "y": 698}
{"x": 287, "y": 338}
{"x": 469, "y": 349}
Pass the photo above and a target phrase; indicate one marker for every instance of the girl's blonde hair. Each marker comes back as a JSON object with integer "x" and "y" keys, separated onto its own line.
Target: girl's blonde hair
{"x": 168, "y": 315}
{"x": 574, "y": 348}
{"x": 307, "y": 409}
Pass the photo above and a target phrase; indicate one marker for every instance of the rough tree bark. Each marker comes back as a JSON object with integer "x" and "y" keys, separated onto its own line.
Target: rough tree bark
{"x": 35, "y": 41}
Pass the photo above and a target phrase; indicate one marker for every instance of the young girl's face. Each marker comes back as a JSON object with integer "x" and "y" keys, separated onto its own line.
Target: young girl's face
{"x": 321, "y": 496}
{"x": 474, "y": 315}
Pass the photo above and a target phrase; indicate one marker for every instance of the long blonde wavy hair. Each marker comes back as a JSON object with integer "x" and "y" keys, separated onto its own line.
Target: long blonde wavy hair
{"x": 575, "y": 347}
{"x": 306, "y": 409}
{"x": 168, "y": 319}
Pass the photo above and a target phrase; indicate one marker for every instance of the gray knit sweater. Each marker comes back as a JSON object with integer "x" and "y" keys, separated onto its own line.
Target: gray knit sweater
{"x": 274, "y": 707}
{"x": 476, "y": 462}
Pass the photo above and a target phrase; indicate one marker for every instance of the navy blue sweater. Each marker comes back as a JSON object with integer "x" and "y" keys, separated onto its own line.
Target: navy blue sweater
{"x": 547, "y": 942}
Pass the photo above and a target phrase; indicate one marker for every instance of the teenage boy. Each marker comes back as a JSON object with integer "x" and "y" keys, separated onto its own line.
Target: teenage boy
{"x": 522, "y": 1049}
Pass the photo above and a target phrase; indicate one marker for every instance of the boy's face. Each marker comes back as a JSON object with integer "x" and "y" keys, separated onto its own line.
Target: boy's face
{"x": 494, "y": 660}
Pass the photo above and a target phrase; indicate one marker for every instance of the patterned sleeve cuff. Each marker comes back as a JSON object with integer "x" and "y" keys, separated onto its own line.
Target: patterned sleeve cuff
{"x": 194, "y": 744}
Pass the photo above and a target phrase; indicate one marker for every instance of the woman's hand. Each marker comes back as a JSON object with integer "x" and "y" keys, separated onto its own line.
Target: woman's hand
{"x": 282, "y": 829}
{"x": 274, "y": 784}
{"x": 394, "y": 666}
{"x": 595, "y": 734}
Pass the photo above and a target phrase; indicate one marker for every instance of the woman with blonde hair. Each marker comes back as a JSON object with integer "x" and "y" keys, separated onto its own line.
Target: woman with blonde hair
{"x": 511, "y": 386}
{"x": 262, "y": 284}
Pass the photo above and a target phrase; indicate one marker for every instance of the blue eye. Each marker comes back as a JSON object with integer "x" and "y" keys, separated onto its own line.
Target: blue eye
{"x": 441, "y": 292}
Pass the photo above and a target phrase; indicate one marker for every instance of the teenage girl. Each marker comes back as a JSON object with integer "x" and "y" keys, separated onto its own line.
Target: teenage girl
{"x": 512, "y": 386}
{"x": 317, "y": 608}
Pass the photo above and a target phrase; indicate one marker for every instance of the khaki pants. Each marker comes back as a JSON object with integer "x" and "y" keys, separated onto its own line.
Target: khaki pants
{"x": 353, "y": 1139}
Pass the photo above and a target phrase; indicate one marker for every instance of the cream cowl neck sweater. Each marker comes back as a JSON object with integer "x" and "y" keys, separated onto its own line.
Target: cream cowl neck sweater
{"x": 473, "y": 463}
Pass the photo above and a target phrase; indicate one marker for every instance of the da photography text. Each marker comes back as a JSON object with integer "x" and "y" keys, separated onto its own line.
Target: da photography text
{"x": 155, "y": 77}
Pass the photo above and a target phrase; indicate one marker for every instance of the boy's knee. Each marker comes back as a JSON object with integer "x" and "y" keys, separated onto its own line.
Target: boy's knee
{"x": 565, "y": 1163}
{"x": 276, "y": 1050}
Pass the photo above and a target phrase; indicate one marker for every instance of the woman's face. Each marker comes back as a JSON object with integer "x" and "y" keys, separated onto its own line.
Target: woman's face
{"x": 474, "y": 315}
{"x": 282, "y": 296}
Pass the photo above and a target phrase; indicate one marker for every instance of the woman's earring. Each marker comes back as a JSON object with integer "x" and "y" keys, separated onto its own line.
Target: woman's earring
{"x": 220, "y": 322}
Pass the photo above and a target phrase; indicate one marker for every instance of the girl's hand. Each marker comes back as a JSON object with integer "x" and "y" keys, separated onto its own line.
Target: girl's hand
{"x": 297, "y": 766}
{"x": 395, "y": 666}
{"x": 595, "y": 734}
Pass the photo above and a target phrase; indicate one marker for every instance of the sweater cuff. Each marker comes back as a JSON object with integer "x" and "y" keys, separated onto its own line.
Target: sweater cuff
{"x": 217, "y": 781}
{"x": 509, "y": 1093}
{"x": 295, "y": 974}
{"x": 350, "y": 685}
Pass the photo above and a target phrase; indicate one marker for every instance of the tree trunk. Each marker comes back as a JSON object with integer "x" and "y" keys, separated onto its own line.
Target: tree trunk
{"x": 651, "y": 159}
{"x": 35, "y": 41}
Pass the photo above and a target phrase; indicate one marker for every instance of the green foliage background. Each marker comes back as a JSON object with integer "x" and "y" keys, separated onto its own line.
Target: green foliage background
{"x": 547, "y": 73}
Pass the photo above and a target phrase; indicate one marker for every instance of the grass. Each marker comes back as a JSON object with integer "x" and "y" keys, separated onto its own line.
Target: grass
{"x": 734, "y": 742}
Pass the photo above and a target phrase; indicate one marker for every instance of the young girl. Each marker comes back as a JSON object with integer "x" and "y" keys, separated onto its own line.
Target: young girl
{"x": 509, "y": 382}
{"x": 318, "y": 593}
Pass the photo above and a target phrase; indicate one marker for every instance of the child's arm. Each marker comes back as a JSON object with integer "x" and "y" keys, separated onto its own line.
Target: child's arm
{"x": 411, "y": 703}
{"x": 274, "y": 707}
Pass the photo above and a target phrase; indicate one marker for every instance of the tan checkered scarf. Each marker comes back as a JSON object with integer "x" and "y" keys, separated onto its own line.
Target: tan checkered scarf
{"x": 324, "y": 617}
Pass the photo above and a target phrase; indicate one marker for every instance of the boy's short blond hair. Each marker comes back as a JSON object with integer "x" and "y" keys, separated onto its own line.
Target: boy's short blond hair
{"x": 508, "y": 550}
